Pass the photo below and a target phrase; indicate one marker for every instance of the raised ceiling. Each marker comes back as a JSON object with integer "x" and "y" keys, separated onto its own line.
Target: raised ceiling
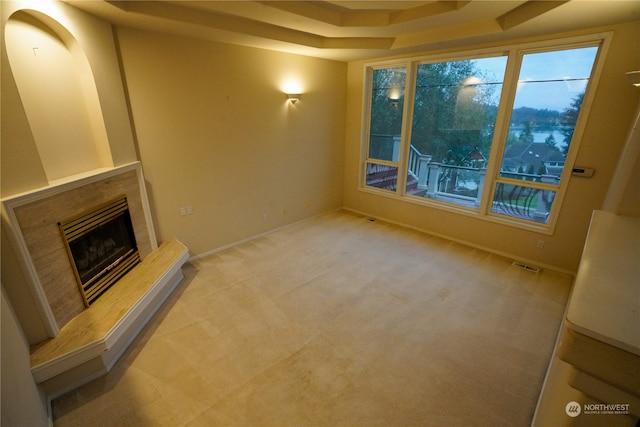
{"x": 351, "y": 30}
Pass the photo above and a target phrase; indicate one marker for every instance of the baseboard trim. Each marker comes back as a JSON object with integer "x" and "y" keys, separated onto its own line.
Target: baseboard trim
{"x": 257, "y": 236}
{"x": 467, "y": 243}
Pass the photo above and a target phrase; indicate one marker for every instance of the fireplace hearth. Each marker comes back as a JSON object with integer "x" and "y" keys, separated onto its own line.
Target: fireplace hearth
{"x": 77, "y": 343}
{"x": 101, "y": 246}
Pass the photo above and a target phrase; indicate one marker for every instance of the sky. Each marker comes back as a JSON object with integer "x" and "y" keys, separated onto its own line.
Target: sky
{"x": 558, "y": 65}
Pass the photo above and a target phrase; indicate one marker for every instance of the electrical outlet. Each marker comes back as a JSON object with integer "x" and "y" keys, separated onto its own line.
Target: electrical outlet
{"x": 183, "y": 211}
{"x": 540, "y": 244}
{"x": 189, "y": 210}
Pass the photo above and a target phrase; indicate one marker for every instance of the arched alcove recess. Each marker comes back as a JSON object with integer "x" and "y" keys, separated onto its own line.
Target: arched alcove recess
{"x": 59, "y": 95}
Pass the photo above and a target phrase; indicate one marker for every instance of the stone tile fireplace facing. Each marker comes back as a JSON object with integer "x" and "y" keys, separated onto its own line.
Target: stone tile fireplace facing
{"x": 81, "y": 348}
{"x": 36, "y": 218}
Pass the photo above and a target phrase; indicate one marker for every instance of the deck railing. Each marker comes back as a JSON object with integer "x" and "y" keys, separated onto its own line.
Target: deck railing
{"x": 463, "y": 185}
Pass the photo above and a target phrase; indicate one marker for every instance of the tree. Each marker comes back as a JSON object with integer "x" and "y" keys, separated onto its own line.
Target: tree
{"x": 386, "y": 113}
{"x": 568, "y": 121}
{"x": 453, "y": 113}
{"x": 550, "y": 140}
{"x": 526, "y": 135}
{"x": 387, "y": 102}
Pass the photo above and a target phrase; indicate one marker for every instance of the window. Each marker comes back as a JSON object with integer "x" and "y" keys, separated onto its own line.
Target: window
{"x": 488, "y": 135}
{"x": 551, "y": 86}
{"x": 454, "y": 116}
{"x": 387, "y": 105}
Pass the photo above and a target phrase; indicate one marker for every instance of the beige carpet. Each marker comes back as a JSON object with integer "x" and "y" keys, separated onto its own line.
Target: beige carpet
{"x": 338, "y": 321}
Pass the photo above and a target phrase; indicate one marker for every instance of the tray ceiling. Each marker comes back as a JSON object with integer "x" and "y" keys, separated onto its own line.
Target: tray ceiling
{"x": 351, "y": 30}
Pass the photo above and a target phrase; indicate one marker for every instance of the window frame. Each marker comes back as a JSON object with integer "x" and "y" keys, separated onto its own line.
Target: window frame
{"x": 367, "y": 127}
{"x": 515, "y": 54}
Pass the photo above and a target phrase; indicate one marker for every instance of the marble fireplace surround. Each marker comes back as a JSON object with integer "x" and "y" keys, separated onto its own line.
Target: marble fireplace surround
{"x": 78, "y": 350}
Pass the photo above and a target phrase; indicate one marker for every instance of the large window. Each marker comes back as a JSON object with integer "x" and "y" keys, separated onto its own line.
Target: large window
{"x": 548, "y": 99}
{"x": 387, "y": 105}
{"x": 490, "y": 135}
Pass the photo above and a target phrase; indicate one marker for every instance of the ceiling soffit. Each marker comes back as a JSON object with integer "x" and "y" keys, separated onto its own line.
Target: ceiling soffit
{"x": 346, "y": 30}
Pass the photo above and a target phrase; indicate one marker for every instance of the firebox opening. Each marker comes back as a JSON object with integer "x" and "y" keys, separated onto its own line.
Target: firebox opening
{"x": 101, "y": 246}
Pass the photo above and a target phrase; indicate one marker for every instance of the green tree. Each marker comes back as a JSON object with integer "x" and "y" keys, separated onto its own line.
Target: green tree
{"x": 453, "y": 115}
{"x": 550, "y": 140}
{"x": 387, "y": 103}
{"x": 568, "y": 121}
{"x": 526, "y": 135}
{"x": 386, "y": 113}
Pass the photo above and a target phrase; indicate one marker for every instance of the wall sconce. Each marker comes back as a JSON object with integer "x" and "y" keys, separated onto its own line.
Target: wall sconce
{"x": 471, "y": 81}
{"x": 634, "y": 78}
{"x": 394, "y": 95}
{"x": 294, "y": 97}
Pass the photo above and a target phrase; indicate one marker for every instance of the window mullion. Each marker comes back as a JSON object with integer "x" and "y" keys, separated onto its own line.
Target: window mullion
{"x": 405, "y": 134}
{"x": 532, "y": 184}
{"x": 364, "y": 153}
{"x": 510, "y": 84}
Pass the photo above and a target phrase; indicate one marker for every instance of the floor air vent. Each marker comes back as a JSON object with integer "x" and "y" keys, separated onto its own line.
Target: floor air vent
{"x": 526, "y": 267}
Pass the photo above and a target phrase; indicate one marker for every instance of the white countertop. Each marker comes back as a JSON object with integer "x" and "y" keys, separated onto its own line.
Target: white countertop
{"x": 605, "y": 304}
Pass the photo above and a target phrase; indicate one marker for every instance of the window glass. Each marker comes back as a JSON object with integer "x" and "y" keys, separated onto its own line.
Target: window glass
{"x": 455, "y": 108}
{"x": 551, "y": 86}
{"x": 387, "y": 102}
{"x": 386, "y": 107}
{"x": 382, "y": 176}
{"x": 529, "y": 203}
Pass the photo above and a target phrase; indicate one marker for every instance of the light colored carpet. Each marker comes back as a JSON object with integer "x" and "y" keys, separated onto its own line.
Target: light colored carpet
{"x": 338, "y": 321}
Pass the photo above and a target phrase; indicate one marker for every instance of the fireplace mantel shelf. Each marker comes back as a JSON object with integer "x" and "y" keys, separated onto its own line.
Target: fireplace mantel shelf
{"x": 91, "y": 343}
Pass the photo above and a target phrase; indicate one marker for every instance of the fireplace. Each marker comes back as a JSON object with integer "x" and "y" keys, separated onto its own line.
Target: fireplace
{"x": 70, "y": 343}
{"x": 101, "y": 246}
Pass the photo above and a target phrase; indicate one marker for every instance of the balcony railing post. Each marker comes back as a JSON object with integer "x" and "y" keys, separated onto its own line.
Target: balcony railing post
{"x": 395, "y": 156}
{"x": 482, "y": 173}
{"x": 434, "y": 176}
{"x": 423, "y": 170}
{"x": 545, "y": 199}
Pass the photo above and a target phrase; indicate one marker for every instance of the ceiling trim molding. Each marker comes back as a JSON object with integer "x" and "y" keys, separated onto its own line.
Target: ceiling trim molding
{"x": 356, "y": 29}
{"x": 332, "y": 14}
{"x": 342, "y": 17}
{"x": 526, "y": 12}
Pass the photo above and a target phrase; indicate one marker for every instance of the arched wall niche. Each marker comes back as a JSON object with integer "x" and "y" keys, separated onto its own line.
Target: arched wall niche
{"x": 57, "y": 89}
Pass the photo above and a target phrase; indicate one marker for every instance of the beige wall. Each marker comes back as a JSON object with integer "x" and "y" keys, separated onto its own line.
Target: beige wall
{"x": 58, "y": 114}
{"x": 86, "y": 37}
{"x": 623, "y": 196}
{"x": 21, "y": 168}
{"x": 216, "y": 132}
{"x": 607, "y": 129}
{"x": 22, "y": 403}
